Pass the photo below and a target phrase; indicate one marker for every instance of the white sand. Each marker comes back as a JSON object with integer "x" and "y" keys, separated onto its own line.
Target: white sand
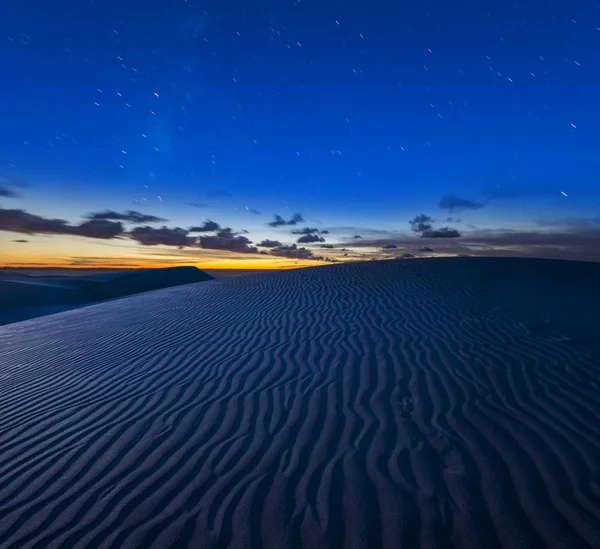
{"x": 450, "y": 403}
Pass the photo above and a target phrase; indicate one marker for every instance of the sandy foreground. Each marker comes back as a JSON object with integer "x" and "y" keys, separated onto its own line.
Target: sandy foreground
{"x": 447, "y": 403}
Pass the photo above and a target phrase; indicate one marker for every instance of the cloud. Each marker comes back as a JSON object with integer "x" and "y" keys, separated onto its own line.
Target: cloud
{"x": 357, "y": 236}
{"x": 426, "y": 249}
{"x": 292, "y": 252}
{"x": 130, "y": 216}
{"x": 255, "y": 212}
{"x": 21, "y": 241}
{"x": 451, "y": 202}
{"x": 5, "y": 192}
{"x": 325, "y": 232}
{"x": 99, "y": 228}
{"x": 270, "y": 244}
{"x": 165, "y": 236}
{"x": 328, "y": 246}
{"x": 207, "y": 227}
{"x": 407, "y": 255}
{"x": 444, "y": 232}
{"x": 226, "y": 239}
{"x": 306, "y": 230}
{"x": 389, "y": 246}
{"x": 280, "y": 222}
{"x": 20, "y": 221}
{"x": 308, "y": 238}
{"x": 199, "y": 204}
{"x": 421, "y": 223}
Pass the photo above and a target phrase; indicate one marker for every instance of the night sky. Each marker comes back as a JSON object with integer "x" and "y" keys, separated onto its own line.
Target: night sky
{"x": 126, "y": 124}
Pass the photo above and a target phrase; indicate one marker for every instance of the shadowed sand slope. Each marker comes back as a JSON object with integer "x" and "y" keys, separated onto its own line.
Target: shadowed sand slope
{"x": 23, "y": 297}
{"x": 449, "y": 403}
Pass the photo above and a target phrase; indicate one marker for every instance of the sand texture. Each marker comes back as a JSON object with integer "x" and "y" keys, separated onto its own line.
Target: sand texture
{"x": 430, "y": 403}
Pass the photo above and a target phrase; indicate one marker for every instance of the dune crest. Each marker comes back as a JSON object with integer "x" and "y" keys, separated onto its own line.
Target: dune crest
{"x": 427, "y": 403}
{"x": 23, "y": 297}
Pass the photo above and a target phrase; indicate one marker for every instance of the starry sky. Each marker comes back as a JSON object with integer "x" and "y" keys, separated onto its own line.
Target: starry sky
{"x": 269, "y": 134}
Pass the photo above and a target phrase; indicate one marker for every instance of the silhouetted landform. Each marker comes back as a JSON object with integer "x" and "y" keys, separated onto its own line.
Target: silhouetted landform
{"x": 23, "y": 297}
{"x": 449, "y": 402}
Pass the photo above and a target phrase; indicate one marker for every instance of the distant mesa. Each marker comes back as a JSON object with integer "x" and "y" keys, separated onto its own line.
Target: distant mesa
{"x": 23, "y": 297}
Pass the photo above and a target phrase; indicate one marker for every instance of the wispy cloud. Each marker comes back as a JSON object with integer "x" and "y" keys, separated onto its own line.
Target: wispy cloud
{"x": 130, "y": 216}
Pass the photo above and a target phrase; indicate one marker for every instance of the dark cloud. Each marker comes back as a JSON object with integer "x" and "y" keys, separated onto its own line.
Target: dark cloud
{"x": 207, "y": 227}
{"x": 292, "y": 252}
{"x": 325, "y": 232}
{"x": 130, "y": 216}
{"x": 421, "y": 223}
{"x": 255, "y": 212}
{"x": 280, "y": 221}
{"x": 20, "y": 221}
{"x": 5, "y": 192}
{"x": 426, "y": 249}
{"x": 270, "y": 244}
{"x": 453, "y": 220}
{"x": 451, "y": 202}
{"x": 21, "y": 241}
{"x": 357, "y": 236}
{"x": 389, "y": 246}
{"x": 308, "y": 238}
{"x": 99, "y": 228}
{"x": 165, "y": 236}
{"x": 328, "y": 246}
{"x": 226, "y": 239}
{"x": 444, "y": 232}
{"x": 407, "y": 255}
{"x": 306, "y": 230}
{"x": 199, "y": 204}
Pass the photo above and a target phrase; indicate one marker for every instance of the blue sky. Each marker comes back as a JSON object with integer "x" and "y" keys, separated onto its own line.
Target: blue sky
{"x": 357, "y": 115}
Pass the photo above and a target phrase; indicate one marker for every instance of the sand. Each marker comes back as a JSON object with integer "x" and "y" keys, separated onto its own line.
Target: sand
{"x": 449, "y": 403}
{"x": 31, "y": 295}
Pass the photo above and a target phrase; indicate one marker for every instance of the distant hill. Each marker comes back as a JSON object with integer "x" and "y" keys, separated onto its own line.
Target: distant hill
{"x": 23, "y": 297}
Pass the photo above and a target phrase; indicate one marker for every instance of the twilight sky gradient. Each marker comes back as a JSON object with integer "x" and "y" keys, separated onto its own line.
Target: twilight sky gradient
{"x": 119, "y": 120}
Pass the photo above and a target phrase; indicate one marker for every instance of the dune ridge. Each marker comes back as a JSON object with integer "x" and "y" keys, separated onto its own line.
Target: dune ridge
{"x": 423, "y": 403}
{"x": 23, "y": 296}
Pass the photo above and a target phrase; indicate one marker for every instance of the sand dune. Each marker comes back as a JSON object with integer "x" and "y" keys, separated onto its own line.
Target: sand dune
{"x": 23, "y": 297}
{"x": 449, "y": 403}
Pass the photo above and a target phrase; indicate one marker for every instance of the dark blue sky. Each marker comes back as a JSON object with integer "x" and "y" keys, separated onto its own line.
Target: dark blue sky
{"x": 359, "y": 115}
